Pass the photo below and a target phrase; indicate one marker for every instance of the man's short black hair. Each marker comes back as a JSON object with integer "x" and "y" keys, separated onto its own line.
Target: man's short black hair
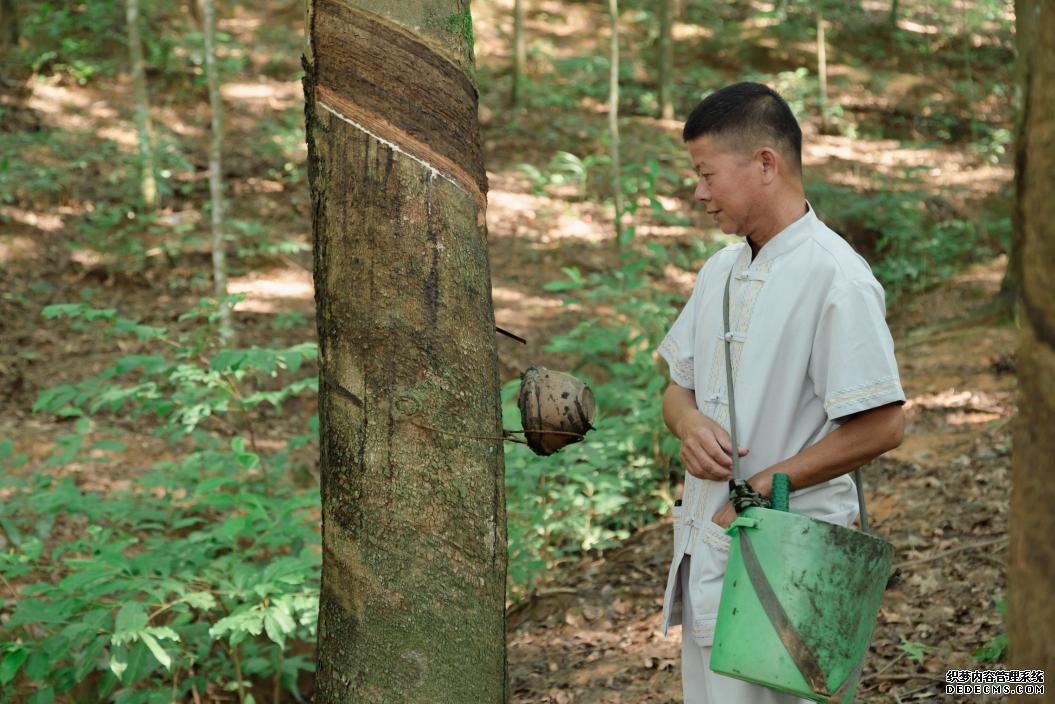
{"x": 750, "y": 114}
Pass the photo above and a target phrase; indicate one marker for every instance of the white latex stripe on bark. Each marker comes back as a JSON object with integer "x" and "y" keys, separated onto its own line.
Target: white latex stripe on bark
{"x": 394, "y": 147}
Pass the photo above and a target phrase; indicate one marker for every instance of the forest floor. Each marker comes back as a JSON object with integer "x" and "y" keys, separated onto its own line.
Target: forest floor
{"x": 589, "y": 634}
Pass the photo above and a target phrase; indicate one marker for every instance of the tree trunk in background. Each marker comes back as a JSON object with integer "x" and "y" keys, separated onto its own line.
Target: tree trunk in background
{"x": 1031, "y": 561}
{"x": 782, "y": 10}
{"x": 893, "y": 14}
{"x": 141, "y": 106}
{"x": 822, "y": 68}
{"x": 1025, "y": 39}
{"x": 666, "y": 58}
{"x": 519, "y": 52}
{"x": 219, "y": 245}
{"x": 613, "y": 122}
{"x": 8, "y": 24}
{"x": 412, "y": 607}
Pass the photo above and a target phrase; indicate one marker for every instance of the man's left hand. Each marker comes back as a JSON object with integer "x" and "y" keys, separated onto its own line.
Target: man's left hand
{"x": 725, "y": 516}
{"x": 762, "y": 483}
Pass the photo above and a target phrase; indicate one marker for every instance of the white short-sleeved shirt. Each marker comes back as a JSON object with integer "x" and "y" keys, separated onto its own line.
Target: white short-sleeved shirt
{"x": 810, "y": 345}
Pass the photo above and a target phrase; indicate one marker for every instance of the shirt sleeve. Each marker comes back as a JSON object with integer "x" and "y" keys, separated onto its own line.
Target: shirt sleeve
{"x": 852, "y": 364}
{"x": 678, "y": 346}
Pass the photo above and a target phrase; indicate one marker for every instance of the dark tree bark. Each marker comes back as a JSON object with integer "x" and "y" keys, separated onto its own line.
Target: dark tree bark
{"x": 414, "y": 543}
{"x": 1031, "y": 568}
{"x": 1025, "y": 38}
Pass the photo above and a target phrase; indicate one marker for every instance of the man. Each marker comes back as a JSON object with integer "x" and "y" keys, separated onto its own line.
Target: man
{"x": 816, "y": 384}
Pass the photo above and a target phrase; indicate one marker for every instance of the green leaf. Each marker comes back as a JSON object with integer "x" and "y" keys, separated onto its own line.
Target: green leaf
{"x": 162, "y": 657}
{"x": 274, "y": 629}
{"x": 38, "y": 666}
{"x": 200, "y": 600}
{"x": 248, "y": 460}
{"x": 132, "y": 617}
{"x": 993, "y": 650}
{"x": 109, "y": 445}
{"x": 284, "y": 618}
{"x": 36, "y": 611}
{"x": 914, "y": 649}
{"x": 227, "y": 360}
{"x": 140, "y": 664}
{"x": 72, "y": 310}
{"x": 11, "y": 530}
{"x": 11, "y": 664}
{"x": 118, "y": 661}
{"x": 43, "y": 696}
{"x": 164, "y": 633}
{"x": 55, "y": 398}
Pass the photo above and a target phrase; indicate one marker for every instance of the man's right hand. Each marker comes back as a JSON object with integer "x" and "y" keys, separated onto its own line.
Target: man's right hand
{"x": 705, "y": 447}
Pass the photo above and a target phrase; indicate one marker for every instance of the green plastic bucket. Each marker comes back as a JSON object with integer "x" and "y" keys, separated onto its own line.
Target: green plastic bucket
{"x": 826, "y": 580}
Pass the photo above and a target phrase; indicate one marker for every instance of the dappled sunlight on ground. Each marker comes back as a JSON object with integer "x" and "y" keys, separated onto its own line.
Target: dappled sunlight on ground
{"x": 71, "y": 108}
{"x": 550, "y": 18}
{"x": 544, "y": 218}
{"x": 857, "y": 162}
{"x": 46, "y": 222}
{"x": 274, "y": 95}
{"x": 273, "y": 290}
{"x": 16, "y": 247}
{"x": 524, "y": 303}
{"x": 683, "y": 32}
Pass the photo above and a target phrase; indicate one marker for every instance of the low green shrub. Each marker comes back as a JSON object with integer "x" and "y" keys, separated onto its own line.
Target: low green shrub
{"x": 192, "y": 576}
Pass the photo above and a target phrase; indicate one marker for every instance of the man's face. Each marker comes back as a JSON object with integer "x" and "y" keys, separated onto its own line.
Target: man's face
{"x": 728, "y": 184}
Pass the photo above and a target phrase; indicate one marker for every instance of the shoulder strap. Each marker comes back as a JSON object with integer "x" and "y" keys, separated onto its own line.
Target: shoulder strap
{"x": 729, "y": 376}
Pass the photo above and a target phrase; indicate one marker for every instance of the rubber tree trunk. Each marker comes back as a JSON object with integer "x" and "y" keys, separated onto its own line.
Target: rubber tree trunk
{"x": 666, "y": 58}
{"x": 613, "y": 121}
{"x": 1025, "y": 39}
{"x": 1031, "y": 568}
{"x": 519, "y": 52}
{"x": 141, "y": 106}
{"x": 219, "y": 245}
{"x": 412, "y": 606}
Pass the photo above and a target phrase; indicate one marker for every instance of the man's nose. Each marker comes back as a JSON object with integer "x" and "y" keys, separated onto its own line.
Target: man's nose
{"x": 702, "y": 192}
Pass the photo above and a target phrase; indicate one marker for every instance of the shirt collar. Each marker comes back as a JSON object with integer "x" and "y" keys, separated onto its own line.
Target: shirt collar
{"x": 790, "y": 237}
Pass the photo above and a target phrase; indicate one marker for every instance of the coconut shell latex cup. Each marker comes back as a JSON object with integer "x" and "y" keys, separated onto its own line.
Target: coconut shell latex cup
{"x": 556, "y": 409}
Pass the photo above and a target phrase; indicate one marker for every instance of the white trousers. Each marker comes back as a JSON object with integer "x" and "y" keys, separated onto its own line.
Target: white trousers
{"x": 699, "y": 684}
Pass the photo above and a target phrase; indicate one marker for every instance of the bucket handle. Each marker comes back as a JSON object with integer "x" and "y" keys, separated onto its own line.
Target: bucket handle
{"x": 804, "y": 658}
{"x": 741, "y": 522}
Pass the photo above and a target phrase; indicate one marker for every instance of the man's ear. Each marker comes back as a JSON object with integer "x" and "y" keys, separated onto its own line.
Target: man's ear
{"x": 767, "y": 158}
